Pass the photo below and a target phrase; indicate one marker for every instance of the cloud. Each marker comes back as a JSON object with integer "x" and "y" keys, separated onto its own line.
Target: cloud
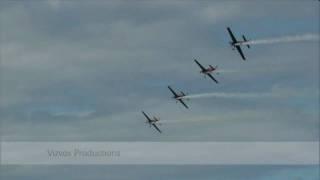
{"x": 54, "y": 3}
{"x": 84, "y": 71}
{"x": 97, "y": 65}
{"x": 217, "y": 12}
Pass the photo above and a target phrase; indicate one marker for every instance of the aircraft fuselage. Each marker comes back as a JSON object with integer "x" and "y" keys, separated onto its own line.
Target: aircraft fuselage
{"x": 154, "y": 120}
{"x": 178, "y": 97}
{"x": 208, "y": 70}
{"x": 235, "y": 44}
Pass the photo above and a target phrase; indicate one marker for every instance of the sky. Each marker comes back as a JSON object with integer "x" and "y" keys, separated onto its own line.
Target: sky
{"x": 83, "y": 71}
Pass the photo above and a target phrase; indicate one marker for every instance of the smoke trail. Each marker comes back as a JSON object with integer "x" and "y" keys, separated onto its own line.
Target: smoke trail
{"x": 287, "y": 39}
{"x": 170, "y": 121}
{"x": 275, "y": 93}
{"x": 184, "y": 120}
{"x": 227, "y": 71}
{"x": 229, "y": 95}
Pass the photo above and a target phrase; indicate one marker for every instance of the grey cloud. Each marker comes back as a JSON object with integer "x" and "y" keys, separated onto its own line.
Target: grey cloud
{"x": 115, "y": 59}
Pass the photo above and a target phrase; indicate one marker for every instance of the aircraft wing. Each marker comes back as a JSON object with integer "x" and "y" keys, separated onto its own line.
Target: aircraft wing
{"x": 181, "y": 101}
{"x": 210, "y": 75}
{"x": 199, "y": 65}
{"x": 240, "y": 52}
{"x": 231, "y": 35}
{"x": 146, "y": 116}
{"x": 155, "y": 126}
{"x": 174, "y": 93}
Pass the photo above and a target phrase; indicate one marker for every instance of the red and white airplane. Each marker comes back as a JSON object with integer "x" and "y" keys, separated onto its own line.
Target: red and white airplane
{"x": 152, "y": 122}
{"x": 179, "y": 97}
{"x": 207, "y": 71}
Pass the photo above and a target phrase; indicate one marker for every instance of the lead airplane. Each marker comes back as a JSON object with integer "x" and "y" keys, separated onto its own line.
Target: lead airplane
{"x": 207, "y": 71}
{"x": 236, "y": 44}
{"x": 152, "y": 122}
{"x": 178, "y": 97}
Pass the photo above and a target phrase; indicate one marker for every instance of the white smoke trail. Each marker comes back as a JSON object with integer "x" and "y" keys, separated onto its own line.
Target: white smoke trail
{"x": 227, "y": 71}
{"x": 229, "y": 95}
{"x": 177, "y": 121}
{"x": 186, "y": 119}
{"x": 287, "y": 39}
{"x": 278, "y": 94}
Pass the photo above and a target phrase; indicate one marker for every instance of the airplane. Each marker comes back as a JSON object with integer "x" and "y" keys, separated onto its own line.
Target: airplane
{"x": 178, "y": 97}
{"x": 152, "y": 121}
{"x": 207, "y": 71}
{"x": 237, "y": 44}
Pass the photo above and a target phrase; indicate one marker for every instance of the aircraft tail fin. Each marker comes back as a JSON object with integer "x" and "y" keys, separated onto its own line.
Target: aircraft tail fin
{"x": 214, "y": 68}
{"x": 245, "y": 40}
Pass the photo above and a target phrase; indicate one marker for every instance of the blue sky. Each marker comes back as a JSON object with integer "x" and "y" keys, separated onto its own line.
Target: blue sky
{"x": 78, "y": 70}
